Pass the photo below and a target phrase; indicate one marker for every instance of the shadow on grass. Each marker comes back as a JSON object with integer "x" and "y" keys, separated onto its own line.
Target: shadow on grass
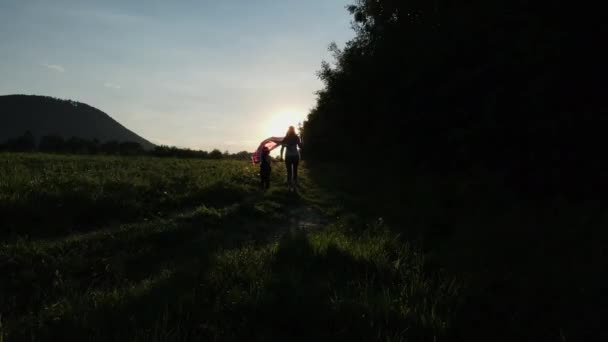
{"x": 290, "y": 290}
{"x": 39, "y": 275}
{"x": 51, "y": 215}
{"x": 327, "y": 294}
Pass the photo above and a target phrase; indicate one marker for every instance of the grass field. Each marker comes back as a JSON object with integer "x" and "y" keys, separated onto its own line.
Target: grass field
{"x": 150, "y": 249}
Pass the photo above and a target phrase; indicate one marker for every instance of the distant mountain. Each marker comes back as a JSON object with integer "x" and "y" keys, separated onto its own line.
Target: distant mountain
{"x": 42, "y": 116}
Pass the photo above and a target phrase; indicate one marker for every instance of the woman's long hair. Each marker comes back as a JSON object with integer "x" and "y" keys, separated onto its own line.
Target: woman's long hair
{"x": 291, "y": 131}
{"x": 291, "y": 134}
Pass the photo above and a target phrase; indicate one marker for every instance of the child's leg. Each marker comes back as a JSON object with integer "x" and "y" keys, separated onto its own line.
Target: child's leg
{"x": 262, "y": 178}
{"x": 265, "y": 174}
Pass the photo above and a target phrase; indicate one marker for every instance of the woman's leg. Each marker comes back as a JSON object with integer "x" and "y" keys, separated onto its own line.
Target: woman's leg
{"x": 288, "y": 164}
{"x": 295, "y": 170}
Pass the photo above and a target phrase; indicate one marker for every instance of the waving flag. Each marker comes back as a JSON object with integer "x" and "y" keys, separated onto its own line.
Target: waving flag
{"x": 271, "y": 143}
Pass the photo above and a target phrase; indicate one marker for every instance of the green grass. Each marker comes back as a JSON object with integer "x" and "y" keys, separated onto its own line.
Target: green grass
{"x": 47, "y": 195}
{"x": 151, "y": 249}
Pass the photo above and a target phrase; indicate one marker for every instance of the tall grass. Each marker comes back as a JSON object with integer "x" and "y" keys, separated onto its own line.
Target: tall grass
{"x": 46, "y": 195}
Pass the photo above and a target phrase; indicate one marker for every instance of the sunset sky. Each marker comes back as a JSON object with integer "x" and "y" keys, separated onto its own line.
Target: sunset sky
{"x": 199, "y": 74}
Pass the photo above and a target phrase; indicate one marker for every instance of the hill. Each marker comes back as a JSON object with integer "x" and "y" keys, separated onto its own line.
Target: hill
{"x": 42, "y": 115}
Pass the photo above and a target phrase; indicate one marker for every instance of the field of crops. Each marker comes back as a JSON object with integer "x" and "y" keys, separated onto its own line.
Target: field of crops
{"x": 45, "y": 195}
{"x": 117, "y": 248}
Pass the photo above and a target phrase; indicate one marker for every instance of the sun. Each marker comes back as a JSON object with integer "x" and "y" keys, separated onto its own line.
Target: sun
{"x": 278, "y": 123}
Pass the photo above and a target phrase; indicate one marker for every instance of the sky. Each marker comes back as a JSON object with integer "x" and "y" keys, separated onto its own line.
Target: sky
{"x": 198, "y": 74}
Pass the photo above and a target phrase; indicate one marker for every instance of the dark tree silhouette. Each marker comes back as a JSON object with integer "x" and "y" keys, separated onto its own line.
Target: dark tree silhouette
{"x": 131, "y": 148}
{"x": 23, "y": 143}
{"x": 243, "y": 155}
{"x": 216, "y": 154}
{"x": 52, "y": 143}
{"x": 452, "y": 116}
{"x": 508, "y": 87}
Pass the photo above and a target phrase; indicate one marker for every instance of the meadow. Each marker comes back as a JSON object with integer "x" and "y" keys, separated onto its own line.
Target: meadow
{"x": 150, "y": 249}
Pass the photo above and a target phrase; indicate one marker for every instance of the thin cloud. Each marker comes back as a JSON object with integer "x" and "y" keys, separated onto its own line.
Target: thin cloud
{"x": 107, "y": 17}
{"x": 54, "y": 67}
{"x": 112, "y": 85}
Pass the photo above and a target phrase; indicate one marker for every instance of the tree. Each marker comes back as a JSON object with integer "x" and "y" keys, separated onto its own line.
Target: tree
{"x": 110, "y": 147}
{"x": 51, "y": 143}
{"x": 130, "y": 148}
{"x": 24, "y": 143}
{"x": 453, "y": 88}
{"x": 243, "y": 155}
{"x": 216, "y": 154}
{"x": 77, "y": 145}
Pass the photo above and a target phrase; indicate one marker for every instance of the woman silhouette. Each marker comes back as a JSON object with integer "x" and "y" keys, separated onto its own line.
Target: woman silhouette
{"x": 292, "y": 156}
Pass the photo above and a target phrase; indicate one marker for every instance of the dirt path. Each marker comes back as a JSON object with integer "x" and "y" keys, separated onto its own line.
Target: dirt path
{"x": 305, "y": 218}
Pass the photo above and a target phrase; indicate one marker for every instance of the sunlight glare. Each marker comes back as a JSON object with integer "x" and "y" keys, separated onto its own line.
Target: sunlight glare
{"x": 277, "y": 125}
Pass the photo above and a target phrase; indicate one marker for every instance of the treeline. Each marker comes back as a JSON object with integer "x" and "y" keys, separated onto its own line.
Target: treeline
{"x": 172, "y": 151}
{"x": 506, "y": 88}
{"x": 74, "y": 145}
{"x": 481, "y": 126}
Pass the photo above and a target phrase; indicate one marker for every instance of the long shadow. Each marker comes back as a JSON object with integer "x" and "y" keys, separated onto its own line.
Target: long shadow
{"x": 307, "y": 295}
{"x": 314, "y": 295}
{"x": 54, "y": 215}
{"x": 185, "y": 250}
{"x": 100, "y": 262}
